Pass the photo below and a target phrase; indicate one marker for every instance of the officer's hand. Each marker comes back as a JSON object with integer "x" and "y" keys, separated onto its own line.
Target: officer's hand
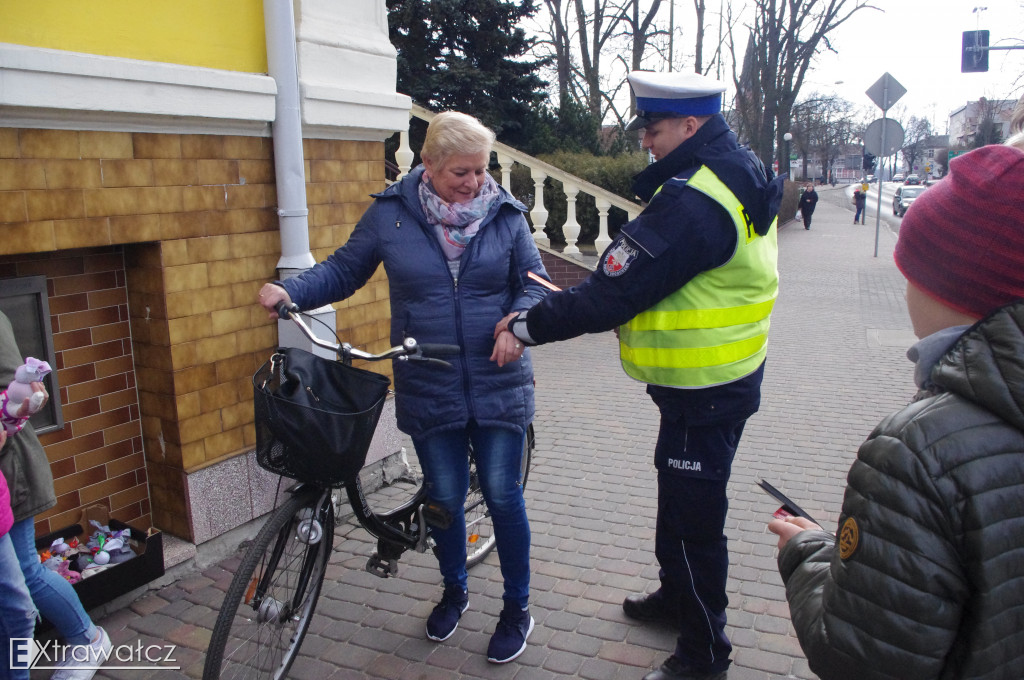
{"x": 270, "y": 295}
{"x": 502, "y": 325}
{"x": 789, "y": 527}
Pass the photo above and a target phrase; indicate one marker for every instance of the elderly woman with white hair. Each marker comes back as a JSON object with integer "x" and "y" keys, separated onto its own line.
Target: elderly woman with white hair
{"x": 457, "y": 251}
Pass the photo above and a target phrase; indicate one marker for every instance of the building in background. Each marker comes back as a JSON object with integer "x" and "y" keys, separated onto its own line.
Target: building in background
{"x": 972, "y": 119}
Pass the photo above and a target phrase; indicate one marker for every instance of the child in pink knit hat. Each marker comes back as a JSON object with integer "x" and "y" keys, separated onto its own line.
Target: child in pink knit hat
{"x": 923, "y": 578}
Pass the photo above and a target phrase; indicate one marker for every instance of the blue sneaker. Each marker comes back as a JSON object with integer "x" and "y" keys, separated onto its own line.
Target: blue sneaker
{"x": 509, "y": 639}
{"x": 443, "y": 621}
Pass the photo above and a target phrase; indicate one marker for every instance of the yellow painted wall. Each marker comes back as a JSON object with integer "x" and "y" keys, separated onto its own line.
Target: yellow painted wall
{"x": 222, "y": 34}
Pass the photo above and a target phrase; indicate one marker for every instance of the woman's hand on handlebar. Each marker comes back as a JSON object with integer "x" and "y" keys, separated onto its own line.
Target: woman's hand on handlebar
{"x": 270, "y": 295}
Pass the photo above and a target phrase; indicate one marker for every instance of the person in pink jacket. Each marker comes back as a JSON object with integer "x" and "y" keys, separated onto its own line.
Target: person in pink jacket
{"x": 17, "y": 612}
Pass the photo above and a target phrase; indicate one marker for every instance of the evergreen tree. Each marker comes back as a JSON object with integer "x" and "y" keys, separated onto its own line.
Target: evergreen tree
{"x": 470, "y": 56}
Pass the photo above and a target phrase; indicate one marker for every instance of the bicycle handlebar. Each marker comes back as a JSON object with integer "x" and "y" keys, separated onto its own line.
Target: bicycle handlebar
{"x": 409, "y": 350}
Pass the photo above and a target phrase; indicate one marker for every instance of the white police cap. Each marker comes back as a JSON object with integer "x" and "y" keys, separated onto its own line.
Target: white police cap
{"x": 669, "y": 95}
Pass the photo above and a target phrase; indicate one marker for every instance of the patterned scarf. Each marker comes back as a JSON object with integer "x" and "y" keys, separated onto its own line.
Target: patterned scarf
{"x": 456, "y": 223}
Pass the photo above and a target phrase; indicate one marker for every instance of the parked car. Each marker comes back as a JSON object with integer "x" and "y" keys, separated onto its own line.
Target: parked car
{"x": 912, "y": 179}
{"x": 898, "y": 177}
{"x": 905, "y": 195}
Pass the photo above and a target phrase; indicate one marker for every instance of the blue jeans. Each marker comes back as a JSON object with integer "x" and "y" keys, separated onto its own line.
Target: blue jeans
{"x": 17, "y": 613}
{"x": 444, "y": 458}
{"x": 51, "y": 592}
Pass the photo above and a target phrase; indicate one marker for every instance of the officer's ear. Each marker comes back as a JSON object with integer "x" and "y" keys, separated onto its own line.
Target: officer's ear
{"x": 690, "y": 124}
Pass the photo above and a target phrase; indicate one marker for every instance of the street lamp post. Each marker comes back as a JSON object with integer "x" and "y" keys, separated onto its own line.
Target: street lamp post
{"x": 789, "y": 138}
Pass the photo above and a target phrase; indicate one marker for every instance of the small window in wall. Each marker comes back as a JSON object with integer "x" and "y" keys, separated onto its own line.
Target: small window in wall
{"x": 25, "y": 303}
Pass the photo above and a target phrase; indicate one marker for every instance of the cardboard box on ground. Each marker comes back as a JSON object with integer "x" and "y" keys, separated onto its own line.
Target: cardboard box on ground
{"x": 105, "y": 583}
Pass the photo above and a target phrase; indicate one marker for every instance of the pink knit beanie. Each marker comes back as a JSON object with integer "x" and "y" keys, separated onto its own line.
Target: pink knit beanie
{"x": 962, "y": 240}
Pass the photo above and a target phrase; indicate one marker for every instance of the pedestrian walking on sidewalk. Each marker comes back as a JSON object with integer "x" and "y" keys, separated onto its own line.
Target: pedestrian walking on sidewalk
{"x": 808, "y": 200}
{"x": 690, "y": 285}
{"x": 922, "y": 580}
{"x": 860, "y": 201}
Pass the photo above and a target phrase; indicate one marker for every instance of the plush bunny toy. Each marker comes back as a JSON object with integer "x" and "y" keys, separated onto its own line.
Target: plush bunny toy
{"x": 20, "y": 388}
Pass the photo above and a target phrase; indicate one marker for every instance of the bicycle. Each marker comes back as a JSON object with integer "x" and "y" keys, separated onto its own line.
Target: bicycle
{"x": 270, "y": 603}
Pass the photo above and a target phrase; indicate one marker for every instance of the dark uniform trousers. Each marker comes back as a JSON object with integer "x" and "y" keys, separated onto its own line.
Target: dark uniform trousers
{"x": 693, "y": 464}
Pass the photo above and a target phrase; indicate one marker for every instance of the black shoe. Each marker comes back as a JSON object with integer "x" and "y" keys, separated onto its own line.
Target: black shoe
{"x": 443, "y": 621}
{"x": 509, "y": 640}
{"x": 674, "y": 669}
{"x": 652, "y": 607}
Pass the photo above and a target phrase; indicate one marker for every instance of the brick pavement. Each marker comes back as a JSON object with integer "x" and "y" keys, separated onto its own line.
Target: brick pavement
{"x": 836, "y": 366}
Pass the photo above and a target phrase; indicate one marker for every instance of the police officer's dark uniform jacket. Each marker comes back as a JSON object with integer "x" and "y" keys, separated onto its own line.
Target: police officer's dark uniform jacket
{"x": 928, "y": 580}
{"x": 680, "y": 234}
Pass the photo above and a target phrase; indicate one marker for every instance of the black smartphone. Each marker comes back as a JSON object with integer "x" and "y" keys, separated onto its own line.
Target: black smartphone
{"x": 788, "y": 507}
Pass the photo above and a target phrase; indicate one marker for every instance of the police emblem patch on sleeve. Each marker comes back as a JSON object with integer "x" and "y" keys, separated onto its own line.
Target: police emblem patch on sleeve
{"x": 618, "y": 259}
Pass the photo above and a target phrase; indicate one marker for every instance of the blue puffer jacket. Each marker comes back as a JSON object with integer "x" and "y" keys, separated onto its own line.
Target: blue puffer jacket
{"x": 430, "y": 306}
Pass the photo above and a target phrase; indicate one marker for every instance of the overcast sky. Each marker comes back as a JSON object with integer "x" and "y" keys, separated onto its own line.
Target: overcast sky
{"x": 918, "y": 43}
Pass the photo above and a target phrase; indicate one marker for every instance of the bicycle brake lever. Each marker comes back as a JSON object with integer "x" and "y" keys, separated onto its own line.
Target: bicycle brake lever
{"x": 421, "y": 358}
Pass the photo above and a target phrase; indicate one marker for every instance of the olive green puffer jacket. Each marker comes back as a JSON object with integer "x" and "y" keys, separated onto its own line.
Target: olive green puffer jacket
{"x": 926, "y": 579}
{"x": 23, "y": 460}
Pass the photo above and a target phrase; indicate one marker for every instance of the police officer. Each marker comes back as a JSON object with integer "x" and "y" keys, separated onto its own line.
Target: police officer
{"x": 690, "y": 285}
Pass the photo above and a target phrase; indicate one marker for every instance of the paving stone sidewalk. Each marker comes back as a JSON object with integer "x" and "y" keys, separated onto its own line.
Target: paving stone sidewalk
{"x": 836, "y": 366}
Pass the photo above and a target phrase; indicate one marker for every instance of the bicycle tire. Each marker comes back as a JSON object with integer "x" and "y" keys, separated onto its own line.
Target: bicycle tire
{"x": 256, "y": 634}
{"x": 479, "y": 527}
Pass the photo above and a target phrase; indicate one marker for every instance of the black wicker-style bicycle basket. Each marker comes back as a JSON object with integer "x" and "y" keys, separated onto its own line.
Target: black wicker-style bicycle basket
{"x": 315, "y": 417}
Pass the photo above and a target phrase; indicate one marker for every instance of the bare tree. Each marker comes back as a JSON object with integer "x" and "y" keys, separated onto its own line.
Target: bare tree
{"x": 698, "y": 50}
{"x": 784, "y": 38}
{"x": 581, "y": 35}
{"x": 915, "y": 135}
{"x": 639, "y": 30}
{"x": 578, "y": 35}
{"x": 823, "y": 127}
{"x": 989, "y": 130}
{"x": 559, "y": 41}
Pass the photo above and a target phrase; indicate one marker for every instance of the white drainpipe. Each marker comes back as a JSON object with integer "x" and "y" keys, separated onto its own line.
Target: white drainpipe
{"x": 283, "y": 67}
{"x": 287, "y": 128}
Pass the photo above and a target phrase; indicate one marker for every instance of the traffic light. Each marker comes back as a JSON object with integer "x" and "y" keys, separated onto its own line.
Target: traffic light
{"x": 974, "y": 59}
{"x": 869, "y": 161}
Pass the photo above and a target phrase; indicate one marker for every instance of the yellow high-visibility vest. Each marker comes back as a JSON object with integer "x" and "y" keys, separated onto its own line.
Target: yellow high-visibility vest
{"x": 713, "y": 330}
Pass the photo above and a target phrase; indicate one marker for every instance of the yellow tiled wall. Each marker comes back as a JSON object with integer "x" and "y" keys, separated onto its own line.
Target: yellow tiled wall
{"x": 194, "y": 218}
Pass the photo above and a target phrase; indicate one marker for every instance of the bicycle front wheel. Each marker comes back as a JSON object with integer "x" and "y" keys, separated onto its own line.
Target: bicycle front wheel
{"x": 270, "y": 602}
{"x": 479, "y": 526}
